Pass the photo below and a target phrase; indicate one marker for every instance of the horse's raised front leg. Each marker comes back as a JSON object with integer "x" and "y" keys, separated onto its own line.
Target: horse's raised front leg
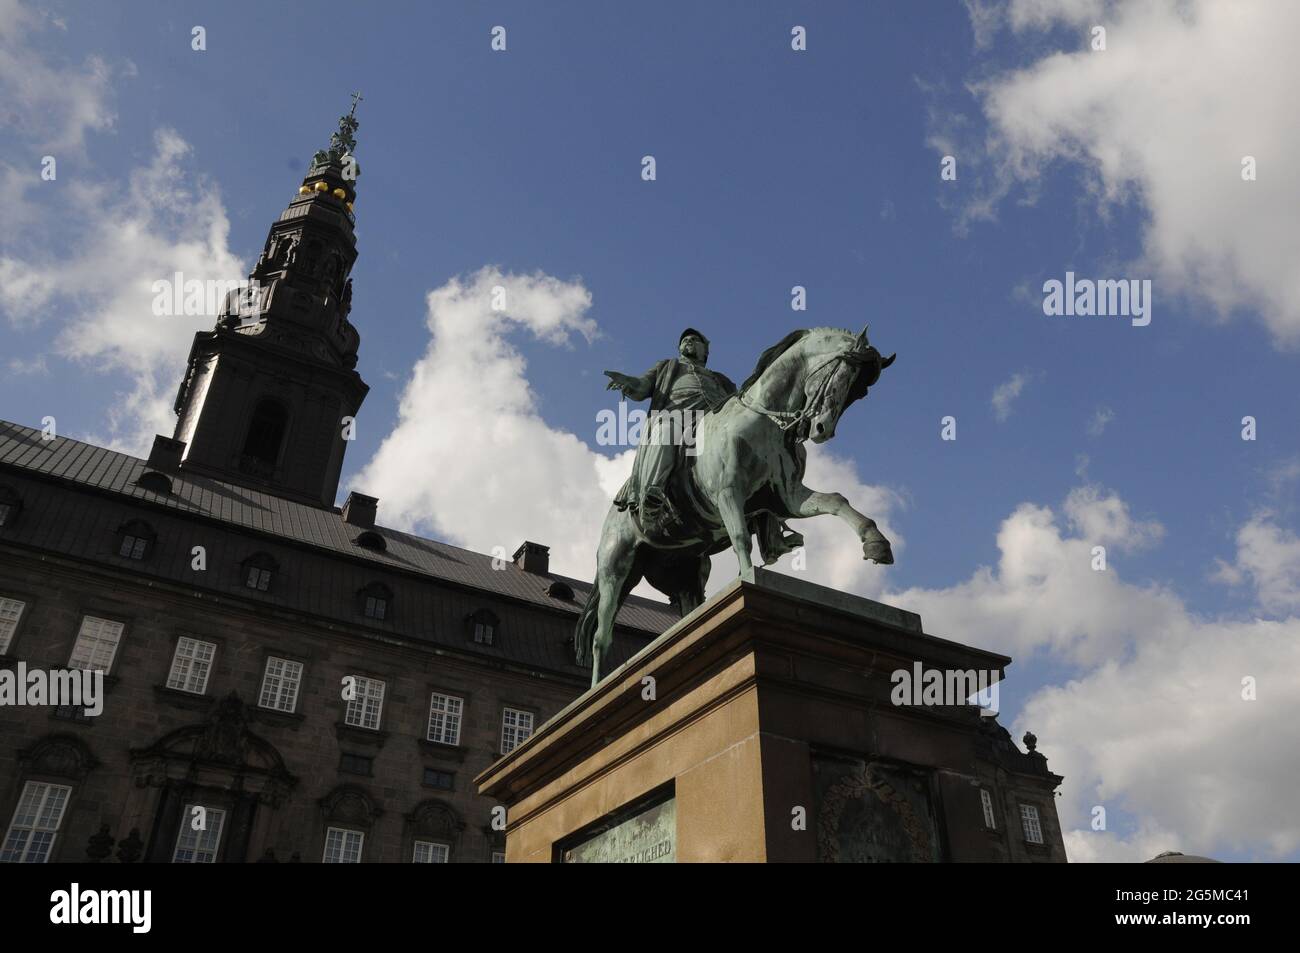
{"x": 732, "y": 511}
{"x": 806, "y": 502}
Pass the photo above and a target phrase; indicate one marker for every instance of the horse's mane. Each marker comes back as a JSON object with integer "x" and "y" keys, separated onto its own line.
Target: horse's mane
{"x": 776, "y": 350}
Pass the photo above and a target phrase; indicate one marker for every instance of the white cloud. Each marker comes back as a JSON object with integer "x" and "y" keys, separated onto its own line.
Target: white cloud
{"x": 1005, "y": 394}
{"x": 166, "y": 219}
{"x": 1163, "y": 117}
{"x": 46, "y": 104}
{"x": 1268, "y": 557}
{"x": 1100, "y": 418}
{"x": 1044, "y": 594}
{"x": 1154, "y": 727}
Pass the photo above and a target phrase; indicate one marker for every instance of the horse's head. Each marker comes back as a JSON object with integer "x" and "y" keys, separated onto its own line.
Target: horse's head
{"x": 848, "y": 368}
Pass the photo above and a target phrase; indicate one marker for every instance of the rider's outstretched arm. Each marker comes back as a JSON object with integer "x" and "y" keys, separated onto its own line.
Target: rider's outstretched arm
{"x": 634, "y": 388}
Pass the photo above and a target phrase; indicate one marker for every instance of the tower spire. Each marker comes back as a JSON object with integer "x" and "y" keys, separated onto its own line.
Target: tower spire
{"x": 269, "y": 389}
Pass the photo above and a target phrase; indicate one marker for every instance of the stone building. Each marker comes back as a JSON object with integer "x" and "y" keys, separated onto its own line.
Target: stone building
{"x": 284, "y": 678}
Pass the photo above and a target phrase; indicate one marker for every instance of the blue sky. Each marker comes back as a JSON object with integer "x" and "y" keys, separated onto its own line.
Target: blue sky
{"x": 775, "y": 168}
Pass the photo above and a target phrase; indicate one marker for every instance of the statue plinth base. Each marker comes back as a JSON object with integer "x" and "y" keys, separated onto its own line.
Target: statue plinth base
{"x": 760, "y": 728}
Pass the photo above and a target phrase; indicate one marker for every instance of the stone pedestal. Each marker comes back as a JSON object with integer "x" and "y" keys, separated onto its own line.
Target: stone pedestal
{"x": 761, "y": 728}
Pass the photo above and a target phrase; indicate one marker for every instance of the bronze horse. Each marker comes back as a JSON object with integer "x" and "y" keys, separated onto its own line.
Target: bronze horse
{"x": 749, "y": 458}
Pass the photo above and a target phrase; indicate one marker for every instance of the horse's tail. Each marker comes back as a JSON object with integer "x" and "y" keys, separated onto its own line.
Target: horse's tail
{"x": 584, "y": 633}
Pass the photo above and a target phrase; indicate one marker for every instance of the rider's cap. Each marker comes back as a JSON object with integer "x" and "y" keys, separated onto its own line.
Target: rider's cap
{"x": 691, "y": 331}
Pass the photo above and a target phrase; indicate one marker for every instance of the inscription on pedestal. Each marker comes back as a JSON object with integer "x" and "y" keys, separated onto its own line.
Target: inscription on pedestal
{"x": 647, "y": 837}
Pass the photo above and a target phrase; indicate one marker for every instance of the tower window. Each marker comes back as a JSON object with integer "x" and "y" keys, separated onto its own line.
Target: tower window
{"x": 266, "y": 432}
{"x": 135, "y": 539}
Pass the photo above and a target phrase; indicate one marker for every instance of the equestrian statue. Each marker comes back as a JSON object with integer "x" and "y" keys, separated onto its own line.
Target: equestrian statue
{"x": 717, "y": 466}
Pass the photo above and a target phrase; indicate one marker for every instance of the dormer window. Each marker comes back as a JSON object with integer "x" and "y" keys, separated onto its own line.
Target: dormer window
{"x": 10, "y": 505}
{"x": 376, "y": 601}
{"x": 266, "y": 430}
{"x": 155, "y": 482}
{"x": 135, "y": 540}
{"x": 372, "y": 540}
{"x": 483, "y": 626}
{"x": 258, "y": 571}
{"x": 560, "y": 590}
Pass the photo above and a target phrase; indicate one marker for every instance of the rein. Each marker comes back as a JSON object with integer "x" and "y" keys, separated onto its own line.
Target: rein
{"x": 785, "y": 419}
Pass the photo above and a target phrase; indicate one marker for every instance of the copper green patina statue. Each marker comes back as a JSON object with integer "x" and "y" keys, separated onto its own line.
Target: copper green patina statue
{"x": 717, "y": 466}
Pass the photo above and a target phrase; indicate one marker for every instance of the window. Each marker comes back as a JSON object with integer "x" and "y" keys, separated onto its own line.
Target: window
{"x": 280, "y": 684}
{"x": 199, "y": 846}
{"x": 191, "y": 665}
{"x": 135, "y": 539}
{"x": 1029, "y": 821}
{"x": 10, "y": 505}
{"x": 258, "y": 570}
{"x": 357, "y": 764}
{"x": 266, "y": 432}
{"x": 429, "y": 852}
{"x": 560, "y": 590}
{"x": 35, "y": 823}
{"x": 498, "y": 856}
{"x": 990, "y": 819}
{"x": 443, "y": 780}
{"x": 375, "y": 601}
{"x": 372, "y": 540}
{"x": 482, "y": 626}
{"x": 342, "y": 846}
{"x": 11, "y": 612}
{"x": 96, "y": 644}
{"x": 364, "y": 709}
{"x": 516, "y": 726}
{"x": 444, "y": 718}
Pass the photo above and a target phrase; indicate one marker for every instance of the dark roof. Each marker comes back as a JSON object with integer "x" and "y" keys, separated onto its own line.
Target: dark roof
{"x": 86, "y": 466}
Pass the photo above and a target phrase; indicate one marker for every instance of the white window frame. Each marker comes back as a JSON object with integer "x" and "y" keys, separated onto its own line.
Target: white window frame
{"x": 435, "y": 852}
{"x": 339, "y": 840}
{"x": 34, "y": 827}
{"x": 1031, "y": 824}
{"x": 11, "y": 613}
{"x": 258, "y": 578}
{"x": 191, "y": 665}
{"x": 376, "y": 607}
{"x": 97, "y": 643}
{"x": 279, "y": 687}
{"x": 990, "y": 817}
{"x": 200, "y": 847}
{"x": 513, "y": 731}
{"x": 447, "y": 718}
{"x": 498, "y": 856}
{"x": 133, "y": 547}
{"x": 369, "y": 700}
{"x": 485, "y": 633}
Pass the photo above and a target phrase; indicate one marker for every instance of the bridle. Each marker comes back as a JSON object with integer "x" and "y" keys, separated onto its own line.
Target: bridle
{"x": 786, "y": 419}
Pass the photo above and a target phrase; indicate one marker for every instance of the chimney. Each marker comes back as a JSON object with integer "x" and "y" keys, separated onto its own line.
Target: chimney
{"x": 359, "y": 510}
{"x": 166, "y": 454}
{"x": 534, "y": 558}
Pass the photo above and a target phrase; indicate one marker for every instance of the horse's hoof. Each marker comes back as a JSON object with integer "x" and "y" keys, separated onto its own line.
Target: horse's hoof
{"x": 878, "y": 553}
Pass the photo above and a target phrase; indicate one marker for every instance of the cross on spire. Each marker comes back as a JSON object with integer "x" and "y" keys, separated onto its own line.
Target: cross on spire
{"x": 356, "y": 98}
